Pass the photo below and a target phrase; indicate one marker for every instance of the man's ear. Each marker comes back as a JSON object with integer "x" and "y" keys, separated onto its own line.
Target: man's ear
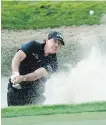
{"x": 44, "y": 40}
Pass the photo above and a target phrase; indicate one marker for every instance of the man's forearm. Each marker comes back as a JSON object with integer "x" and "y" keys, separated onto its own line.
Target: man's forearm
{"x": 39, "y": 73}
{"x": 30, "y": 77}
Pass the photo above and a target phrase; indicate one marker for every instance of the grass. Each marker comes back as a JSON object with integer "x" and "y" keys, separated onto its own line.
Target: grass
{"x": 35, "y": 15}
{"x": 18, "y": 111}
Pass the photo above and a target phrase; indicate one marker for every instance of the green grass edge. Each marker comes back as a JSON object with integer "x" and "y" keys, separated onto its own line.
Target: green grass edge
{"x": 18, "y": 111}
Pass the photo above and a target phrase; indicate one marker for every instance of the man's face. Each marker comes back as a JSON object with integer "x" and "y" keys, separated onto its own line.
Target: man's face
{"x": 53, "y": 46}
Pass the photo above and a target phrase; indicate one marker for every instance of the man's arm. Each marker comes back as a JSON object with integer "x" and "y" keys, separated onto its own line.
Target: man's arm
{"x": 37, "y": 74}
{"x": 44, "y": 71}
{"x": 19, "y": 56}
{"x": 22, "y": 54}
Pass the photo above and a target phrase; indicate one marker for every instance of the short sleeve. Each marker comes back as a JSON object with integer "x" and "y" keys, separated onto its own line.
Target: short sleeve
{"x": 28, "y": 47}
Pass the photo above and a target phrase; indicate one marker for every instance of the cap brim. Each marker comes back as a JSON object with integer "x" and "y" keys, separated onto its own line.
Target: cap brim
{"x": 62, "y": 42}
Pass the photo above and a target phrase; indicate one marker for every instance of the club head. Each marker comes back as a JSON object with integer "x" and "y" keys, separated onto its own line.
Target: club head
{"x": 17, "y": 86}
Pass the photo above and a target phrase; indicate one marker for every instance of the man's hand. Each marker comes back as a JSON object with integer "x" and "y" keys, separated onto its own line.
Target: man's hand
{"x": 17, "y": 79}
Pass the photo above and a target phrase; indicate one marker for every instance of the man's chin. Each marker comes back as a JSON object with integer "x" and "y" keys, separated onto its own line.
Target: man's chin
{"x": 52, "y": 52}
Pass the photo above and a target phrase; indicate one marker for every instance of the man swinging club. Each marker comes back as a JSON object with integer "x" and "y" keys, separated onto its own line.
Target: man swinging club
{"x": 33, "y": 63}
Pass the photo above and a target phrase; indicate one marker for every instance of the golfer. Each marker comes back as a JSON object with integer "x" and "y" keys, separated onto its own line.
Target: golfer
{"x": 32, "y": 65}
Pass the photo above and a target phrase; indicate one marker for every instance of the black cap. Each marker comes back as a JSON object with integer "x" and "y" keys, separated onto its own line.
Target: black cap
{"x": 56, "y": 36}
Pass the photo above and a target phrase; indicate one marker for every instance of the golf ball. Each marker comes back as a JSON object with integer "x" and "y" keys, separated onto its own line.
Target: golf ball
{"x": 91, "y": 12}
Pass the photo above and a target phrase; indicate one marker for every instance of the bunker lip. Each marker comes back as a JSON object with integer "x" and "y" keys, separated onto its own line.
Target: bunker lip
{"x": 52, "y": 109}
